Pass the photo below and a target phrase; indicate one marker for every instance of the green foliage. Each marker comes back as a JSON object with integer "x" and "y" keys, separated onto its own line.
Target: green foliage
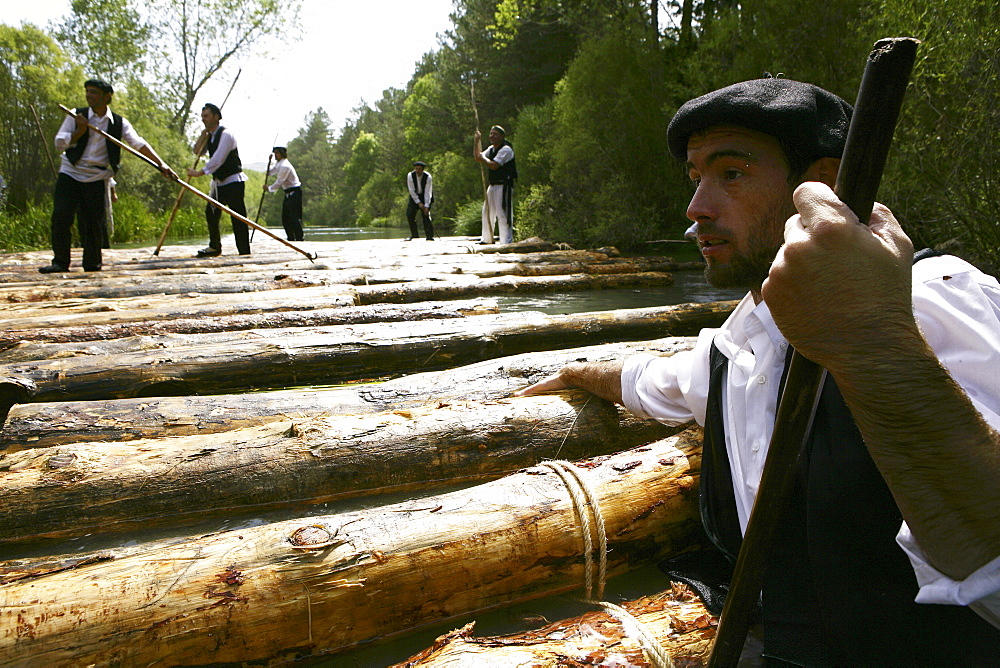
{"x": 27, "y": 229}
{"x": 608, "y": 180}
{"x": 381, "y": 198}
{"x": 108, "y": 37}
{"x": 942, "y": 178}
{"x": 34, "y": 78}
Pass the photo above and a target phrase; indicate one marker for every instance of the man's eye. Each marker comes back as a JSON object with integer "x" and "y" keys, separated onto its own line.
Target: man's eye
{"x": 731, "y": 174}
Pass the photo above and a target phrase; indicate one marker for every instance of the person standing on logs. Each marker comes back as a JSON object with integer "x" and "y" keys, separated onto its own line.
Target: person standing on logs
{"x": 228, "y": 183}
{"x": 421, "y": 187}
{"x": 287, "y": 179}
{"x": 88, "y": 161}
{"x": 498, "y": 208}
{"x": 891, "y": 541}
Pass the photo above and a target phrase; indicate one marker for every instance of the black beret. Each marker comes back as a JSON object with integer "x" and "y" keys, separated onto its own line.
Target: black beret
{"x": 806, "y": 117}
{"x": 419, "y": 163}
{"x": 214, "y": 109}
{"x": 99, "y": 83}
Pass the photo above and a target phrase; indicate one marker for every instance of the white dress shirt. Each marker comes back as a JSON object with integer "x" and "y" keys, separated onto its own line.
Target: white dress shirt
{"x": 94, "y": 164}
{"x": 285, "y": 176}
{"x": 958, "y": 310}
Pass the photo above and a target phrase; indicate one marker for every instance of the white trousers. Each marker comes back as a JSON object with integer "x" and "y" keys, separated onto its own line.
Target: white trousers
{"x": 494, "y": 213}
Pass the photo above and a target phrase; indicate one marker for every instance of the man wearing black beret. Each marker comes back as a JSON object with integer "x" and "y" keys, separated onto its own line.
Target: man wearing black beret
{"x": 890, "y": 552}
{"x": 89, "y": 161}
{"x": 420, "y": 186}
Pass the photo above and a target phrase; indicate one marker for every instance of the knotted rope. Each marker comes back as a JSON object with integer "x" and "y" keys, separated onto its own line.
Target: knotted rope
{"x": 583, "y": 497}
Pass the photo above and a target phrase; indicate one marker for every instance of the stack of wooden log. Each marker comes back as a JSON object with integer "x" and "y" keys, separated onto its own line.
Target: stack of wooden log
{"x": 138, "y": 404}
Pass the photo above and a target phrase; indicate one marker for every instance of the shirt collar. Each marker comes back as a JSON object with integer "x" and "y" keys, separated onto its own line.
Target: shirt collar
{"x": 746, "y": 325}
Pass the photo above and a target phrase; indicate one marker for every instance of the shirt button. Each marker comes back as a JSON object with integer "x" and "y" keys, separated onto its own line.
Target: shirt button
{"x": 784, "y": 345}
{"x": 761, "y": 379}
{"x": 756, "y": 446}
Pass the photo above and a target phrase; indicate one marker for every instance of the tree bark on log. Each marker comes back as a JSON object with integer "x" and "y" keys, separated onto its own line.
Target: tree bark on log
{"x": 320, "y": 317}
{"x": 419, "y": 291}
{"x": 337, "y": 354}
{"x": 71, "y": 490}
{"x": 55, "y": 423}
{"x": 320, "y": 585}
{"x": 676, "y": 618}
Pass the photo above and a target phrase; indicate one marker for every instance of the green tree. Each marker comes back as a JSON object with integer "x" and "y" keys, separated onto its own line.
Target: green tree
{"x": 197, "y": 38}
{"x": 34, "y": 72}
{"x": 108, "y": 37}
{"x": 942, "y": 177}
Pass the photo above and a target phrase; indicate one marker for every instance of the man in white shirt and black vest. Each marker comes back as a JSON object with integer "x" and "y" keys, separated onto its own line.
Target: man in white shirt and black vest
{"x": 228, "y": 183}
{"x": 498, "y": 209}
{"x": 286, "y": 178}
{"x": 89, "y": 160}
{"x": 889, "y": 552}
{"x": 420, "y": 186}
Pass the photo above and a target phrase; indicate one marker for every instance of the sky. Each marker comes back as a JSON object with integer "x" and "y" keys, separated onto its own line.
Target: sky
{"x": 350, "y": 51}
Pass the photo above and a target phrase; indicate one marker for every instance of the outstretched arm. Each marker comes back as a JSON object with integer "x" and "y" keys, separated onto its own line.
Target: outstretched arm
{"x": 841, "y": 293}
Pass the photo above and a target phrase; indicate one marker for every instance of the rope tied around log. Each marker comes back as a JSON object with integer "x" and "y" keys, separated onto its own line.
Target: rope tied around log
{"x": 582, "y": 496}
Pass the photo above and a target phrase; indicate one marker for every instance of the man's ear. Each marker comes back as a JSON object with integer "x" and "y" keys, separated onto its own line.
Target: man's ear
{"x": 823, "y": 170}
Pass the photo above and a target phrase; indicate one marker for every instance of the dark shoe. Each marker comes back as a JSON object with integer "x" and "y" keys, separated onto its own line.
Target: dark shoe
{"x": 209, "y": 252}
{"x": 53, "y": 269}
{"x": 91, "y": 268}
{"x": 430, "y": 238}
{"x": 484, "y": 243}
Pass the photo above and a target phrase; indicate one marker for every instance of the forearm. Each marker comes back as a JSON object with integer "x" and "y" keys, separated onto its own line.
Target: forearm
{"x": 938, "y": 455}
{"x": 601, "y": 378}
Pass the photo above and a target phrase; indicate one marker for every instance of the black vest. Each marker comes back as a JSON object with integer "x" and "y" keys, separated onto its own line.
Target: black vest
{"x": 421, "y": 187}
{"x": 231, "y": 165}
{"x": 838, "y": 589}
{"x": 507, "y": 172}
{"x": 74, "y": 152}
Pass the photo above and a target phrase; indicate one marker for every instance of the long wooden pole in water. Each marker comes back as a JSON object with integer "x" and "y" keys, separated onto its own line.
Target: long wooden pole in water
{"x": 876, "y": 110}
{"x": 194, "y": 190}
{"x": 199, "y": 151}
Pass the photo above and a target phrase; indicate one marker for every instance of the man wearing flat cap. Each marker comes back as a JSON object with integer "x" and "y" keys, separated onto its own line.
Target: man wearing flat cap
{"x": 420, "y": 185}
{"x": 228, "y": 183}
{"x": 89, "y": 161}
{"x": 889, "y": 553}
{"x": 498, "y": 209}
{"x": 286, "y": 178}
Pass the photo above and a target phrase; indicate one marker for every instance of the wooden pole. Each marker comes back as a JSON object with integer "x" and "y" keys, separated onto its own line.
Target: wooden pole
{"x": 482, "y": 170}
{"x": 876, "y": 110}
{"x": 194, "y": 190}
{"x": 263, "y": 192}
{"x": 45, "y": 148}
{"x": 199, "y": 151}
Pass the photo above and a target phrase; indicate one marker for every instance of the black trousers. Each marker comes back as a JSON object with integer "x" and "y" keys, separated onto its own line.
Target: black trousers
{"x": 411, "y": 217}
{"x": 85, "y": 202}
{"x": 291, "y": 214}
{"x": 231, "y": 195}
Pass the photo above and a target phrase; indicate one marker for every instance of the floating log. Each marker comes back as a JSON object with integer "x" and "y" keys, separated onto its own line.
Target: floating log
{"x": 24, "y": 339}
{"x": 418, "y": 291}
{"x": 328, "y": 355}
{"x": 320, "y": 585}
{"x": 676, "y": 618}
{"x": 89, "y": 488}
{"x": 54, "y": 423}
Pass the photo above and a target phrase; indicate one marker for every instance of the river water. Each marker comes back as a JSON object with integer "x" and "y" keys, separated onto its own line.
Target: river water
{"x": 689, "y": 286}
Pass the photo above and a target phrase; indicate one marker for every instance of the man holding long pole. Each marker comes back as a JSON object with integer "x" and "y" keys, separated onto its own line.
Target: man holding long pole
{"x": 88, "y": 161}
{"x": 888, "y": 551}
{"x": 228, "y": 183}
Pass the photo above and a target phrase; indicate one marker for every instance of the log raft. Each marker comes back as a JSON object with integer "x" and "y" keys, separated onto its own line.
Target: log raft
{"x": 327, "y": 355}
{"x": 55, "y": 423}
{"x": 73, "y": 490}
{"x": 321, "y": 585}
{"x": 676, "y": 618}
